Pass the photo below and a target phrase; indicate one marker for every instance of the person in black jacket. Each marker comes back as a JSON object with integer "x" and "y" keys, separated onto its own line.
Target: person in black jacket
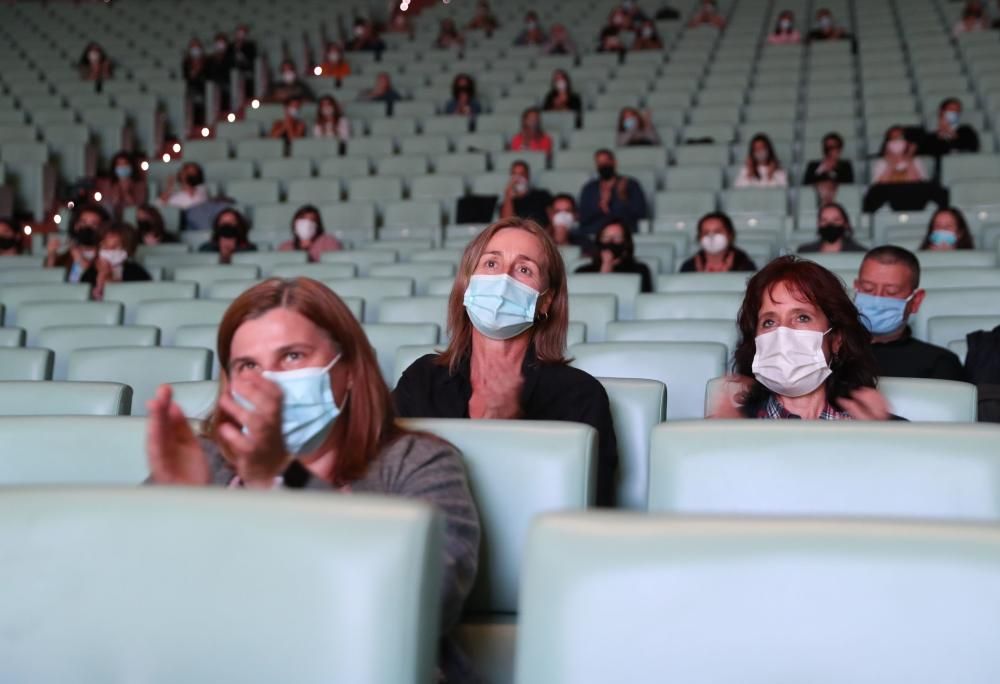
{"x": 114, "y": 262}
{"x": 951, "y": 135}
{"x": 562, "y": 97}
{"x": 718, "y": 252}
{"x": 831, "y": 167}
{"x": 615, "y": 253}
{"x": 245, "y": 58}
{"x": 220, "y": 67}
{"x": 507, "y": 318}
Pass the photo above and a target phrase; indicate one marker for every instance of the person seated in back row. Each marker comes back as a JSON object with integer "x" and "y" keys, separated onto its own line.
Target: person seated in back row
{"x": 888, "y": 293}
{"x": 951, "y": 135}
{"x": 308, "y": 235}
{"x": 229, "y": 236}
{"x": 115, "y": 261}
{"x": 521, "y": 198}
{"x": 718, "y": 252}
{"x": 947, "y": 230}
{"x": 832, "y": 166}
{"x": 614, "y": 252}
{"x": 835, "y": 232}
{"x": 610, "y": 195}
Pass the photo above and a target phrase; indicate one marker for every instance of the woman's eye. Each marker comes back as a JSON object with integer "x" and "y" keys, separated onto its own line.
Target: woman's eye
{"x": 766, "y": 323}
{"x": 804, "y": 318}
{"x": 525, "y": 270}
{"x": 293, "y": 356}
{"x": 491, "y": 264}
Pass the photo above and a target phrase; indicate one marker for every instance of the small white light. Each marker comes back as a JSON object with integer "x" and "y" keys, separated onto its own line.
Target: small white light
{"x": 904, "y": 218}
{"x": 71, "y": 204}
{"x": 680, "y": 225}
{"x": 144, "y": 166}
{"x": 231, "y": 118}
{"x": 27, "y": 230}
{"x": 57, "y": 219}
{"x": 176, "y": 148}
{"x": 255, "y": 103}
{"x": 752, "y": 222}
{"x": 98, "y": 197}
{"x": 318, "y": 71}
{"x": 983, "y": 215}
{"x": 205, "y": 132}
{"x": 166, "y": 157}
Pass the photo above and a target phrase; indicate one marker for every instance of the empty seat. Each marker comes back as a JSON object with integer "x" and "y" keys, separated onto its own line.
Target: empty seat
{"x": 315, "y": 271}
{"x": 229, "y": 289}
{"x": 259, "y": 191}
{"x": 205, "y": 276}
{"x": 14, "y": 296}
{"x": 17, "y": 363}
{"x": 63, "y": 340}
{"x": 387, "y": 338}
{"x": 919, "y": 399}
{"x": 32, "y": 398}
{"x": 624, "y": 286}
{"x": 373, "y": 291}
{"x": 703, "y": 282}
{"x": 944, "y": 329}
{"x": 361, "y": 259}
{"x": 428, "y": 309}
{"x": 33, "y": 317}
{"x": 688, "y": 305}
{"x": 12, "y": 337}
{"x": 143, "y": 369}
{"x": 268, "y": 261}
{"x": 636, "y": 407}
{"x": 723, "y": 331}
{"x": 595, "y": 311}
{"x": 755, "y": 201}
{"x": 132, "y": 294}
{"x": 419, "y": 273}
{"x": 727, "y": 600}
{"x": 196, "y": 399}
{"x": 314, "y": 191}
{"x": 971, "y": 302}
{"x": 170, "y": 314}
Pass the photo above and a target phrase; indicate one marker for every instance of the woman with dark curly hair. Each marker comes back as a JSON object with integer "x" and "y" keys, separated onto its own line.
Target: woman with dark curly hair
{"x": 803, "y": 352}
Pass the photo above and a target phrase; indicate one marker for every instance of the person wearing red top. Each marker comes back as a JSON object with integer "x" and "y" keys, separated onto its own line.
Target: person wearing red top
{"x": 532, "y": 137}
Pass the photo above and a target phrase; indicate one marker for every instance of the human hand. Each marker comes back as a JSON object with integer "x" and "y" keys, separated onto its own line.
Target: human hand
{"x": 724, "y": 405}
{"x": 496, "y": 389}
{"x": 260, "y": 452}
{"x": 174, "y": 453}
{"x": 866, "y": 403}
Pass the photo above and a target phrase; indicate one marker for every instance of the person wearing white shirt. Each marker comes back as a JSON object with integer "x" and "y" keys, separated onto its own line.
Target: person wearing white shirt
{"x": 192, "y": 191}
{"x": 762, "y": 168}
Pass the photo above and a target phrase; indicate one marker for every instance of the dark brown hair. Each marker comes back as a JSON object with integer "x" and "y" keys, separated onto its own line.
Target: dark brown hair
{"x": 964, "y": 236}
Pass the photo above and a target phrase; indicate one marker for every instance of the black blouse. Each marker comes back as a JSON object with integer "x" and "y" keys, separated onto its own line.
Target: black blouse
{"x": 551, "y": 391}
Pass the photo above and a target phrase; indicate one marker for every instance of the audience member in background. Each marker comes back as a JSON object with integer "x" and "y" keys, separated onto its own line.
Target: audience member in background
{"x": 826, "y": 28}
{"x": 521, "y": 199}
{"x": 463, "y": 97}
{"x": 308, "y": 235}
{"x": 559, "y": 42}
{"x": 334, "y": 65}
{"x": 220, "y": 68}
{"x": 365, "y": 38}
{"x": 762, "y": 168}
{"x": 636, "y": 128}
{"x": 192, "y": 190}
{"x": 533, "y": 34}
{"x": 195, "y": 69}
{"x": 151, "y": 227}
{"x": 610, "y": 195}
{"x": 973, "y": 19}
{"x": 114, "y": 262}
{"x": 561, "y": 97}
{"x": 717, "y": 250}
{"x": 10, "y": 237}
{"x": 611, "y": 41}
{"x": 667, "y": 13}
{"x": 887, "y": 294}
{"x": 289, "y": 86}
{"x": 284, "y": 339}
{"x": 647, "y": 37}
{"x": 618, "y": 21}
{"x": 707, "y": 15}
{"x": 126, "y": 186}
{"x": 634, "y": 17}
{"x": 330, "y": 120}
{"x": 785, "y": 32}
{"x": 826, "y": 192}
{"x": 400, "y": 24}
{"x": 87, "y": 226}
{"x": 897, "y": 162}
{"x": 448, "y": 36}
{"x": 996, "y": 22}
{"x": 94, "y": 64}
{"x": 484, "y": 19}
{"x": 229, "y": 236}
{"x": 245, "y": 58}
{"x": 803, "y": 352}
{"x": 531, "y": 136}
{"x": 562, "y": 221}
{"x": 832, "y": 166}
{"x": 382, "y": 91}
{"x": 835, "y": 232}
{"x": 291, "y": 126}
{"x": 614, "y": 252}
{"x": 951, "y": 134}
{"x": 507, "y": 361}
{"x": 946, "y": 231}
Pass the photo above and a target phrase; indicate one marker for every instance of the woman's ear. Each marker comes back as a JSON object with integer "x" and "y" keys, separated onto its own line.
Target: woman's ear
{"x": 543, "y": 304}
{"x": 836, "y": 342}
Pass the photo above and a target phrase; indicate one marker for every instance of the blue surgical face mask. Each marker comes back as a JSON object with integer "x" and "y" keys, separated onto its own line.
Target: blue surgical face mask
{"x": 943, "y": 237}
{"x": 499, "y": 306}
{"x": 123, "y": 171}
{"x": 952, "y": 117}
{"x": 881, "y": 315}
{"x": 308, "y": 407}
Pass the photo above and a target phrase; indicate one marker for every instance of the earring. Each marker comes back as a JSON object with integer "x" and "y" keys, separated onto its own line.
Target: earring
{"x": 542, "y": 317}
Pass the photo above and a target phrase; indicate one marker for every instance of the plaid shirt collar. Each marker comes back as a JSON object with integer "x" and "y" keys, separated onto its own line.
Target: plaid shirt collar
{"x": 774, "y": 410}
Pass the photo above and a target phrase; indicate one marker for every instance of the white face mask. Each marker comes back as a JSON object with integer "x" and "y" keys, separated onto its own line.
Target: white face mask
{"x": 521, "y": 186}
{"x": 716, "y": 243}
{"x": 896, "y": 147}
{"x": 94, "y": 56}
{"x": 333, "y": 55}
{"x": 88, "y": 254}
{"x": 561, "y": 85}
{"x": 563, "y": 219}
{"x": 115, "y": 257}
{"x": 305, "y": 229}
{"x": 761, "y": 156}
{"x": 790, "y": 362}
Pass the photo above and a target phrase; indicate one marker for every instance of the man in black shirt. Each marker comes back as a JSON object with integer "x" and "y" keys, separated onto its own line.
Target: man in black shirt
{"x": 951, "y": 134}
{"x": 521, "y": 199}
{"x": 888, "y": 293}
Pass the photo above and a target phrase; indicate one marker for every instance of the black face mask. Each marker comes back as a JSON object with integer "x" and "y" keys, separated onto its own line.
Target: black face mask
{"x": 229, "y": 231}
{"x": 617, "y": 249}
{"x": 832, "y": 232}
{"x": 7, "y": 243}
{"x": 195, "y": 179}
{"x": 85, "y": 236}
{"x": 606, "y": 171}
{"x": 145, "y": 226}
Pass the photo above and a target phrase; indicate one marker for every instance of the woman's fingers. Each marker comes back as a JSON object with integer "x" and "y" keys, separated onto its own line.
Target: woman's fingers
{"x": 866, "y": 404}
{"x": 239, "y": 444}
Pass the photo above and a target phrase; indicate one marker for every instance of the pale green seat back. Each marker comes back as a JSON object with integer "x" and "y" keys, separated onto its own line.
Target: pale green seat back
{"x": 688, "y": 305}
{"x": 33, "y": 317}
{"x": 201, "y": 335}
{"x": 407, "y": 354}
{"x": 764, "y": 467}
{"x": 387, "y": 338}
{"x": 624, "y": 286}
{"x": 703, "y": 282}
{"x": 32, "y": 398}
{"x": 944, "y": 329}
{"x": 63, "y": 340}
{"x": 72, "y": 450}
{"x": 362, "y": 259}
{"x": 970, "y": 302}
{"x": 595, "y": 311}
{"x": 132, "y": 294}
{"x": 612, "y": 597}
{"x": 637, "y": 406}
{"x": 315, "y": 271}
{"x": 951, "y": 277}
{"x": 920, "y": 399}
{"x": 372, "y": 290}
{"x": 420, "y": 273}
{"x": 33, "y": 276}
{"x": 576, "y": 333}
{"x": 19, "y": 363}
{"x": 12, "y": 337}
{"x": 684, "y": 367}
{"x": 170, "y": 314}
{"x": 720, "y": 330}
{"x": 143, "y": 369}
{"x": 196, "y": 399}
{"x": 349, "y": 579}
{"x": 959, "y": 258}
{"x": 517, "y": 470}
{"x": 229, "y": 289}
{"x": 14, "y": 296}
{"x": 205, "y": 276}
{"x": 840, "y": 261}
{"x": 429, "y": 309}
{"x": 268, "y": 261}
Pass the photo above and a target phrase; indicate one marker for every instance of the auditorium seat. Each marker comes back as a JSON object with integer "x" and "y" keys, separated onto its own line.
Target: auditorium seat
{"x": 170, "y": 314}
{"x": 944, "y": 329}
{"x": 133, "y": 294}
{"x": 12, "y": 337}
{"x": 595, "y": 312}
{"x": 636, "y": 407}
{"x": 32, "y": 398}
{"x": 65, "y": 339}
{"x": 205, "y": 276}
{"x": 387, "y": 338}
{"x": 624, "y": 286}
{"x": 34, "y": 316}
{"x": 373, "y": 291}
{"x": 18, "y": 363}
{"x": 722, "y": 331}
{"x": 14, "y": 296}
